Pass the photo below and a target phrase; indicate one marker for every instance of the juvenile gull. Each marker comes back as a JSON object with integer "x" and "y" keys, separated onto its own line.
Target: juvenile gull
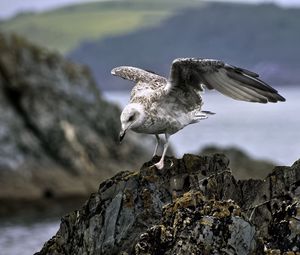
{"x": 164, "y": 106}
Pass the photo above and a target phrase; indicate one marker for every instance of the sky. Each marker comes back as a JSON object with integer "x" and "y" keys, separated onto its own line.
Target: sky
{"x": 9, "y": 8}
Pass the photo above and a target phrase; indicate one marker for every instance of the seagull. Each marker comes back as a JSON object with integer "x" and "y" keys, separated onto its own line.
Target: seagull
{"x": 164, "y": 106}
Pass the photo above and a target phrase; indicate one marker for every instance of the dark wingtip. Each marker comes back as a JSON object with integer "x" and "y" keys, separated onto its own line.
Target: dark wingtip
{"x": 276, "y": 98}
{"x": 250, "y": 73}
{"x": 281, "y": 98}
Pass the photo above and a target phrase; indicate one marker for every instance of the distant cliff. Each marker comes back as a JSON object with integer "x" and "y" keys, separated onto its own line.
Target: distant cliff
{"x": 58, "y": 137}
{"x": 193, "y": 206}
{"x": 262, "y": 38}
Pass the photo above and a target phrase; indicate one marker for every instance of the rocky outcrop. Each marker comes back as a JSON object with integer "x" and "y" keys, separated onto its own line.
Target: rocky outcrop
{"x": 193, "y": 206}
{"x": 58, "y": 137}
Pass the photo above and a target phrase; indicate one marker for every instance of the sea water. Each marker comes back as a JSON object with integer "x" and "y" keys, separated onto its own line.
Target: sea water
{"x": 25, "y": 238}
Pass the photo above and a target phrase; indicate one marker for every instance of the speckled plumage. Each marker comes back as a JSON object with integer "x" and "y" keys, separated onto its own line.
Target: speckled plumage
{"x": 164, "y": 106}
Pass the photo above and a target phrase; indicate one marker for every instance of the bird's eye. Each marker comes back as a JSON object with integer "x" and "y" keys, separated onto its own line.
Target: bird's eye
{"x": 131, "y": 118}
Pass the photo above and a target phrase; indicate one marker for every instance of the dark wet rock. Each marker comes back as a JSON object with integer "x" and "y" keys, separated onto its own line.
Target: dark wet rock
{"x": 243, "y": 165}
{"x": 194, "y": 205}
{"x": 58, "y": 136}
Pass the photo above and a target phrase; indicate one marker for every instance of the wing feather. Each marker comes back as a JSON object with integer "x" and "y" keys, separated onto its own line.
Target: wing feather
{"x": 228, "y": 90}
{"x": 224, "y": 90}
{"x": 243, "y": 92}
{"x": 234, "y": 82}
{"x": 136, "y": 74}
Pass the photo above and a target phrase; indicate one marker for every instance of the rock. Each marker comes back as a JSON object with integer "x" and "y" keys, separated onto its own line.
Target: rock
{"x": 243, "y": 166}
{"x": 194, "y": 205}
{"x": 58, "y": 136}
{"x": 193, "y": 224}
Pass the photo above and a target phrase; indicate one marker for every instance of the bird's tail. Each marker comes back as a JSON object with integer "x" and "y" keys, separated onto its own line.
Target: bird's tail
{"x": 208, "y": 112}
{"x": 201, "y": 116}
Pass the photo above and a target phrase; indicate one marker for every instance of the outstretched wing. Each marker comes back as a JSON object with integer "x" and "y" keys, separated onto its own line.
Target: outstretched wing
{"x": 149, "y": 86}
{"x": 235, "y": 82}
{"x": 135, "y": 74}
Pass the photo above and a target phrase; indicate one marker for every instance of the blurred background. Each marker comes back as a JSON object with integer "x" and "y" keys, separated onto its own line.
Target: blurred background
{"x": 59, "y": 105}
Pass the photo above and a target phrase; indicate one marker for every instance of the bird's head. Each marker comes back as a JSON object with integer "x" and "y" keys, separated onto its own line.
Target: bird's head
{"x": 132, "y": 117}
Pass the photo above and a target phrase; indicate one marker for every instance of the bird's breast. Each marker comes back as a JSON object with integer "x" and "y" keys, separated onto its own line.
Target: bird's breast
{"x": 160, "y": 120}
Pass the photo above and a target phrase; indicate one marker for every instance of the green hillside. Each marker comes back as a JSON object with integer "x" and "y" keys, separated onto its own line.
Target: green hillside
{"x": 64, "y": 28}
{"x": 263, "y": 38}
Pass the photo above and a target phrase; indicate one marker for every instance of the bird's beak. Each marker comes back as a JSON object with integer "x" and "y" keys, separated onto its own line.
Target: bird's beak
{"x": 122, "y": 134}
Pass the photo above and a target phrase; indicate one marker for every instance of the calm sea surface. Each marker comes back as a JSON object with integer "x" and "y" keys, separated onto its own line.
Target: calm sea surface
{"x": 269, "y": 131}
{"x": 25, "y": 239}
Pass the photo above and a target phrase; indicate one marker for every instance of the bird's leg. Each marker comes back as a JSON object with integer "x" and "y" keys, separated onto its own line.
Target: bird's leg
{"x": 156, "y": 146}
{"x": 160, "y": 164}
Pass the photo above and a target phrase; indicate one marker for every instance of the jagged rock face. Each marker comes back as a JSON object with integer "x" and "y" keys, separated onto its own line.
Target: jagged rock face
{"x": 194, "y": 205}
{"x": 52, "y": 117}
